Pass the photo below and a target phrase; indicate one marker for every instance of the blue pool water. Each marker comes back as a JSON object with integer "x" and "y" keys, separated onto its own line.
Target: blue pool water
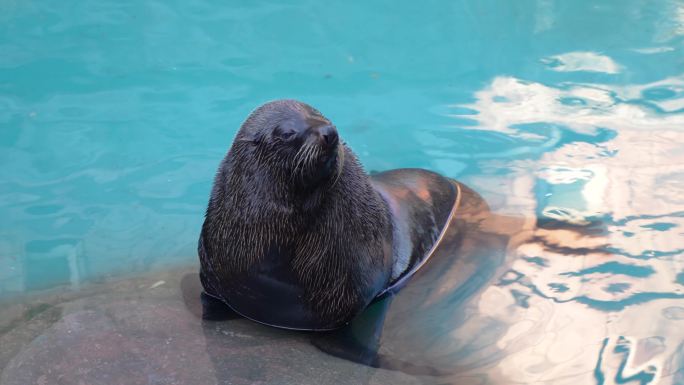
{"x": 569, "y": 115}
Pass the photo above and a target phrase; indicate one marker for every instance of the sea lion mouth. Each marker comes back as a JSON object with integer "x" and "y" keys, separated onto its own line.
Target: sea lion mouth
{"x": 316, "y": 162}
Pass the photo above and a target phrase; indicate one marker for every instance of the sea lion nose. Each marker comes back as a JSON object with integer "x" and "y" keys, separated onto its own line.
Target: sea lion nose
{"x": 328, "y": 135}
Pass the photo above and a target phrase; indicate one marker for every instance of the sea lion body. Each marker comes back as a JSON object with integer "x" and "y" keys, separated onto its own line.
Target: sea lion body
{"x": 298, "y": 236}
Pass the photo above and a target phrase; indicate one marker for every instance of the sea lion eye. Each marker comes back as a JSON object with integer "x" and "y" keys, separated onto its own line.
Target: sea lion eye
{"x": 285, "y": 133}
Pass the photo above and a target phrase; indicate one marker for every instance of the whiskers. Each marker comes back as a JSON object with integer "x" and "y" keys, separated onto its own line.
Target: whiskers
{"x": 304, "y": 159}
{"x": 340, "y": 164}
{"x": 309, "y": 158}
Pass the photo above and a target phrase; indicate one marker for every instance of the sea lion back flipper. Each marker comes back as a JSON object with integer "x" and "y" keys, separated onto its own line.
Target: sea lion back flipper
{"x": 421, "y": 203}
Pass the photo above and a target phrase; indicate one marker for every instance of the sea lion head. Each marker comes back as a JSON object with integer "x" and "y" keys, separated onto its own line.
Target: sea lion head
{"x": 295, "y": 140}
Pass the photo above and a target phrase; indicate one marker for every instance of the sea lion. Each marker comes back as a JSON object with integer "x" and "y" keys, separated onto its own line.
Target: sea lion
{"x": 296, "y": 234}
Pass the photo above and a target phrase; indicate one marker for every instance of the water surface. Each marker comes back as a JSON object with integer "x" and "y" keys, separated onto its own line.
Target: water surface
{"x": 567, "y": 117}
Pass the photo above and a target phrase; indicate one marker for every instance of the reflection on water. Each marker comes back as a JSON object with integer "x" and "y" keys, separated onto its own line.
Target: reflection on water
{"x": 582, "y": 61}
{"x": 594, "y": 290}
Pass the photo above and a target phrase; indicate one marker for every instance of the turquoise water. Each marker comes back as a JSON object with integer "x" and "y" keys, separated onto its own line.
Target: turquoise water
{"x": 570, "y": 115}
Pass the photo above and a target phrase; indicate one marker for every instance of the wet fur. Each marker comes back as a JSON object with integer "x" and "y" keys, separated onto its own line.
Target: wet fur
{"x": 337, "y": 233}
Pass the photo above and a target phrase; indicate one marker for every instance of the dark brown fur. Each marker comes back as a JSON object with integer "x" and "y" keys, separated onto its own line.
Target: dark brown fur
{"x": 336, "y": 231}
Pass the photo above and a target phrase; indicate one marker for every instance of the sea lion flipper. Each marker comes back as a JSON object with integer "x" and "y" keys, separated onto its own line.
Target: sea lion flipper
{"x": 422, "y": 204}
{"x": 213, "y": 309}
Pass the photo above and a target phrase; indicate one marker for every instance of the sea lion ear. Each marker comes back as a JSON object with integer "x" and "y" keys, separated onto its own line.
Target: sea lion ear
{"x": 252, "y": 137}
